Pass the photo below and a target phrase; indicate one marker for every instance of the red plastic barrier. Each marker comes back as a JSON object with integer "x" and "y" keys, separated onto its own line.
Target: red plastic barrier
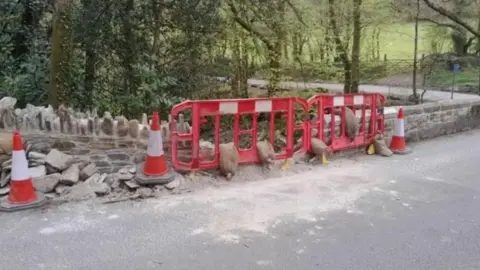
{"x": 236, "y": 107}
{"x": 362, "y": 104}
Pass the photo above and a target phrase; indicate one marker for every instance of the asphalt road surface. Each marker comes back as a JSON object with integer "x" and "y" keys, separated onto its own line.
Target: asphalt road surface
{"x": 418, "y": 211}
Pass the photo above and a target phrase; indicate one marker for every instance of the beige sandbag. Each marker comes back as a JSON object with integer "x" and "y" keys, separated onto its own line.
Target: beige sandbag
{"x": 266, "y": 153}
{"x": 351, "y": 124}
{"x": 319, "y": 149}
{"x": 381, "y": 147}
{"x": 6, "y": 144}
{"x": 229, "y": 159}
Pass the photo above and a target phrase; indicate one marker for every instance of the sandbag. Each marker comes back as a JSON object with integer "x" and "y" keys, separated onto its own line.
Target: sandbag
{"x": 381, "y": 147}
{"x": 266, "y": 153}
{"x": 351, "y": 124}
{"x": 319, "y": 149}
{"x": 229, "y": 159}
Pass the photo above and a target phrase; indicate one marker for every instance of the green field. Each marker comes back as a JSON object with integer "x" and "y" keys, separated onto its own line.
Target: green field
{"x": 397, "y": 40}
{"x": 445, "y": 77}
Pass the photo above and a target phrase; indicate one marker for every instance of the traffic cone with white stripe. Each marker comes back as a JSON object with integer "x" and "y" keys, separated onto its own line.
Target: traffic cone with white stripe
{"x": 155, "y": 169}
{"x": 22, "y": 193}
{"x": 398, "y": 144}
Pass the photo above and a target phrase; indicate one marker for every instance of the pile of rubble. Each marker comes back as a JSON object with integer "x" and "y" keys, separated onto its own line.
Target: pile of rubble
{"x": 67, "y": 178}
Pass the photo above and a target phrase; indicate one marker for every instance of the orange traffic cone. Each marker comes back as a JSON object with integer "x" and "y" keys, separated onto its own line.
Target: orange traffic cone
{"x": 155, "y": 168}
{"x": 398, "y": 144}
{"x": 22, "y": 194}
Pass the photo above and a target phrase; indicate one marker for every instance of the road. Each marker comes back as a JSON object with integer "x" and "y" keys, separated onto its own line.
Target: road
{"x": 386, "y": 90}
{"x": 417, "y": 211}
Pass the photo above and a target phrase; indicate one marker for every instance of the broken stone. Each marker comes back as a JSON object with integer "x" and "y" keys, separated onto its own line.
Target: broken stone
{"x": 94, "y": 179}
{"x": 70, "y": 176}
{"x": 102, "y": 189}
{"x": 88, "y": 171}
{"x": 47, "y": 183}
{"x": 132, "y": 184}
{"x": 124, "y": 177}
{"x": 173, "y": 184}
{"x": 58, "y": 160}
{"x": 5, "y": 178}
{"x": 102, "y": 178}
{"x": 144, "y": 192}
{"x": 36, "y": 155}
{"x": 62, "y": 189}
{"x": 37, "y": 171}
{"x": 63, "y": 145}
{"x": 4, "y": 191}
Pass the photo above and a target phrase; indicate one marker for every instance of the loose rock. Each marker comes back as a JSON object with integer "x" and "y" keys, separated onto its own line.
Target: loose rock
{"x": 70, "y": 176}
{"x": 173, "y": 184}
{"x": 101, "y": 189}
{"x": 62, "y": 189}
{"x": 4, "y": 191}
{"x": 46, "y": 183}
{"x": 318, "y": 147}
{"x": 144, "y": 192}
{"x": 58, "y": 160}
{"x": 132, "y": 184}
{"x": 88, "y": 171}
{"x": 94, "y": 179}
{"x": 37, "y": 171}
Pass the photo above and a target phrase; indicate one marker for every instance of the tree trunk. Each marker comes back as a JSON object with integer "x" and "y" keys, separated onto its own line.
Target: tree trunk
{"x": 60, "y": 54}
{"x": 90, "y": 34}
{"x": 340, "y": 47}
{"x": 415, "y": 52}
{"x": 357, "y": 31}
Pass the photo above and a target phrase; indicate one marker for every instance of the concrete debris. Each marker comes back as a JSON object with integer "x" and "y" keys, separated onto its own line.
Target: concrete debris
{"x": 174, "y": 184}
{"x": 70, "y": 176}
{"x": 88, "y": 171}
{"x": 102, "y": 189}
{"x": 5, "y": 177}
{"x": 46, "y": 183}
{"x": 124, "y": 177}
{"x": 144, "y": 192}
{"x": 132, "y": 184}
{"x": 58, "y": 160}
{"x": 62, "y": 190}
{"x": 37, "y": 171}
{"x": 94, "y": 179}
{"x": 4, "y": 191}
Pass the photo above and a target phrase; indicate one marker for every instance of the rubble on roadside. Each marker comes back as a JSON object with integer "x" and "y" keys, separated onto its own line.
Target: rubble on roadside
{"x": 68, "y": 178}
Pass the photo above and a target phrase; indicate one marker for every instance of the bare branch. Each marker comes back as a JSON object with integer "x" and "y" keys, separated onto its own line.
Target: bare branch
{"x": 450, "y": 15}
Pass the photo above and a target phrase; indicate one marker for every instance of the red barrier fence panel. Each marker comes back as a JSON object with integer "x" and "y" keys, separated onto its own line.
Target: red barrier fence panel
{"x": 329, "y": 123}
{"x": 207, "y": 116}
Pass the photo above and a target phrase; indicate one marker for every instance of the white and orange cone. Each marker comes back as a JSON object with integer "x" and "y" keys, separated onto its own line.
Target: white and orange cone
{"x": 155, "y": 168}
{"x": 398, "y": 144}
{"x": 22, "y": 193}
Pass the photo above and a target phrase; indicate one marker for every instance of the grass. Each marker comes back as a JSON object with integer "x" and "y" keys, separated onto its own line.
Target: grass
{"x": 445, "y": 77}
{"x": 397, "y": 40}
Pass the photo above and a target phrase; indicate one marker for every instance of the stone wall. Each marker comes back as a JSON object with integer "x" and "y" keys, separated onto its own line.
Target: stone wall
{"x": 104, "y": 141}
{"x": 435, "y": 119}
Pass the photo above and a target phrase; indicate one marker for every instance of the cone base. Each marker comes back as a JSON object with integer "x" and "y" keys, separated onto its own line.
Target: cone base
{"x": 146, "y": 180}
{"x": 402, "y": 152}
{"x": 6, "y": 206}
